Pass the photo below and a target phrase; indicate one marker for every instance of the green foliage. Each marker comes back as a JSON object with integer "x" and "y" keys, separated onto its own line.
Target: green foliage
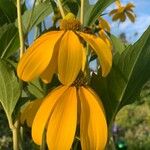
{"x": 36, "y": 89}
{"x": 118, "y": 45}
{"x": 9, "y": 40}
{"x": 7, "y": 12}
{"x": 130, "y": 71}
{"x": 135, "y": 128}
{"x": 97, "y": 10}
{"x": 33, "y": 17}
{"x": 9, "y": 88}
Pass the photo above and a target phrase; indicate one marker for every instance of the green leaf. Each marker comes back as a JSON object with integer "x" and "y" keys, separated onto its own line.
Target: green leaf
{"x": 118, "y": 45}
{"x": 32, "y": 18}
{"x": 8, "y": 12}
{"x": 71, "y": 6}
{"x": 9, "y": 40}
{"x": 97, "y": 10}
{"x": 9, "y": 88}
{"x": 36, "y": 89}
{"x": 130, "y": 71}
{"x": 87, "y": 10}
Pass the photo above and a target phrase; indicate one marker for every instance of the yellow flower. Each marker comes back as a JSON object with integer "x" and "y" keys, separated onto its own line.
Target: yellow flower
{"x": 65, "y": 109}
{"x": 104, "y": 27}
{"x": 62, "y": 52}
{"x": 122, "y": 11}
{"x": 29, "y": 111}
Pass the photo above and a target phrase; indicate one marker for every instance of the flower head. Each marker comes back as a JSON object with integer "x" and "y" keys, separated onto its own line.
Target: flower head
{"x": 62, "y": 52}
{"x": 65, "y": 109}
{"x": 122, "y": 12}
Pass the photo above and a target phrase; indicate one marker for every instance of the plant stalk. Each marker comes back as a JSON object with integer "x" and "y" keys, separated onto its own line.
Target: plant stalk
{"x": 82, "y": 12}
{"x": 61, "y": 8}
{"x": 20, "y": 29}
{"x": 15, "y": 136}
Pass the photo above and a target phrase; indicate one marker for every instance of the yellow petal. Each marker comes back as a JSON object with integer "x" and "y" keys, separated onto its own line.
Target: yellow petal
{"x": 44, "y": 112}
{"x": 83, "y": 58}
{"x": 131, "y": 16}
{"x": 32, "y": 110}
{"x": 104, "y": 24}
{"x": 93, "y": 126}
{"x": 62, "y": 124}
{"x": 116, "y": 17}
{"x": 24, "y": 113}
{"x": 129, "y": 6}
{"x": 102, "y": 50}
{"x": 118, "y": 3}
{"x": 38, "y": 56}
{"x": 122, "y": 17}
{"x": 103, "y": 35}
{"x": 69, "y": 58}
{"x": 48, "y": 73}
{"x": 113, "y": 12}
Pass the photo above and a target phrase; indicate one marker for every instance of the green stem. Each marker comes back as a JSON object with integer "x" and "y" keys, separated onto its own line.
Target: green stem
{"x": 14, "y": 128}
{"x": 82, "y": 12}
{"x": 30, "y": 16}
{"x": 20, "y": 29}
{"x": 15, "y": 137}
{"x": 61, "y": 8}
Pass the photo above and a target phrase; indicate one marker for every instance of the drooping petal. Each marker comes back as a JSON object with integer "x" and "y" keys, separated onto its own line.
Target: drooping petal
{"x": 29, "y": 111}
{"x": 102, "y": 50}
{"x": 24, "y": 111}
{"x": 113, "y": 12}
{"x": 83, "y": 58}
{"x": 103, "y": 35}
{"x": 116, "y": 17}
{"x": 122, "y": 17}
{"x": 69, "y": 58}
{"x": 131, "y": 16}
{"x": 118, "y": 3}
{"x": 129, "y": 6}
{"x": 93, "y": 126}
{"x": 32, "y": 110}
{"x": 62, "y": 124}
{"x": 104, "y": 24}
{"x": 44, "y": 112}
{"x": 38, "y": 56}
{"x": 52, "y": 67}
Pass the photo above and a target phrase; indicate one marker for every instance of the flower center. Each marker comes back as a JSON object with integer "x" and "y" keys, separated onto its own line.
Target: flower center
{"x": 70, "y": 23}
{"x": 81, "y": 80}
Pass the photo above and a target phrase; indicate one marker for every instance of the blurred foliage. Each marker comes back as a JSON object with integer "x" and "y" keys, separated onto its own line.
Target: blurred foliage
{"x": 133, "y": 122}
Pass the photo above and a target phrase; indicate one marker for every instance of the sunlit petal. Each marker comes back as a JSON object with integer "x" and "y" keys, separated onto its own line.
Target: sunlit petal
{"x": 62, "y": 124}
{"x": 83, "y": 58}
{"x": 103, "y": 35}
{"x": 93, "y": 126}
{"x": 104, "y": 25}
{"x": 52, "y": 67}
{"x": 69, "y": 58}
{"x": 38, "y": 56}
{"x": 102, "y": 50}
{"x": 44, "y": 112}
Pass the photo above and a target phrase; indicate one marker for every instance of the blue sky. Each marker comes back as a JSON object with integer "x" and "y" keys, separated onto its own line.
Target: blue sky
{"x": 142, "y": 10}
